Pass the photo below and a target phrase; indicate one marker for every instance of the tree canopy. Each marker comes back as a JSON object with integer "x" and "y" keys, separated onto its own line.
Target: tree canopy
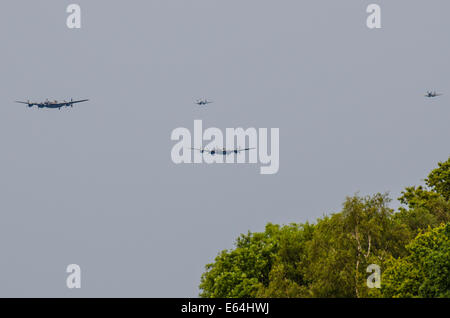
{"x": 330, "y": 258}
{"x": 425, "y": 271}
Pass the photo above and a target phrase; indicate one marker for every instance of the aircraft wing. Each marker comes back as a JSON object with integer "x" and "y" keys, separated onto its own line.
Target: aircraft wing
{"x": 58, "y": 105}
{"x": 27, "y": 103}
{"x": 77, "y": 101}
{"x": 201, "y": 150}
{"x": 245, "y": 149}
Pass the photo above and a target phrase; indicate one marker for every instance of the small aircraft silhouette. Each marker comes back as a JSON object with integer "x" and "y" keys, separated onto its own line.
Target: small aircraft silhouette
{"x": 222, "y": 151}
{"x": 432, "y": 94}
{"x": 54, "y": 104}
{"x": 202, "y": 102}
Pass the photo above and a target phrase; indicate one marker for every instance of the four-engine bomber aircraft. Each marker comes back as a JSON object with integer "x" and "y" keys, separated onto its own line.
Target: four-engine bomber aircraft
{"x": 432, "y": 94}
{"x": 54, "y": 104}
{"x": 202, "y": 102}
{"x": 222, "y": 151}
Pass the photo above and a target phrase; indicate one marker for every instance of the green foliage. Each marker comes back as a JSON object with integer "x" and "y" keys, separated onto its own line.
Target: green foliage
{"x": 425, "y": 271}
{"x": 439, "y": 179}
{"x": 431, "y": 214}
{"x": 418, "y": 197}
{"x": 287, "y": 276}
{"x": 330, "y": 258}
{"x": 347, "y": 242}
{"x": 429, "y": 205}
{"x": 240, "y": 272}
{"x": 247, "y": 270}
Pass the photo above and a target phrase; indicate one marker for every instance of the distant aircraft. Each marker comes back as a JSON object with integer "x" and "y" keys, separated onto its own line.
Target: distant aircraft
{"x": 222, "y": 151}
{"x": 202, "y": 102}
{"x": 54, "y": 104}
{"x": 432, "y": 94}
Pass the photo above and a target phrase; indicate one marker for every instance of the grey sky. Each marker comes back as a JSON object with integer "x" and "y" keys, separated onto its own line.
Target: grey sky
{"x": 95, "y": 185}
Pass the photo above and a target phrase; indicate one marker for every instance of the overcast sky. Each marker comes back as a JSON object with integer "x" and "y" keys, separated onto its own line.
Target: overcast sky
{"x": 95, "y": 185}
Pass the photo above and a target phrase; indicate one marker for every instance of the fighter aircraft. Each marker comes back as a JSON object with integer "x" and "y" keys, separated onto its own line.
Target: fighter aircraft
{"x": 54, "y": 104}
{"x": 432, "y": 94}
{"x": 222, "y": 151}
{"x": 202, "y": 102}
